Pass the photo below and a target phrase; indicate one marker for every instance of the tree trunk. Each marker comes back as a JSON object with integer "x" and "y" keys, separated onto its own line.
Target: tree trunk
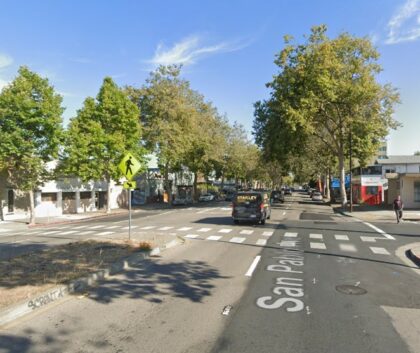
{"x": 31, "y": 207}
{"x": 327, "y": 185}
{"x": 195, "y": 191}
{"x": 342, "y": 180}
{"x": 108, "y": 195}
{"x": 168, "y": 188}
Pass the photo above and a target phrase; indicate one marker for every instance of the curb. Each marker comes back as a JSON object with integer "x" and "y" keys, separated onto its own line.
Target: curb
{"x": 79, "y": 285}
{"x": 413, "y": 256}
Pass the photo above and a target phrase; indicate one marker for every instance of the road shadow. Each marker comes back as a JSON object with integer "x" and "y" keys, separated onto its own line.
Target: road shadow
{"x": 152, "y": 281}
{"x": 14, "y": 344}
{"x": 228, "y": 221}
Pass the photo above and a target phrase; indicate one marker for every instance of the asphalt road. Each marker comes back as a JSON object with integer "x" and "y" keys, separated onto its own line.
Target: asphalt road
{"x": 307, "y": 281}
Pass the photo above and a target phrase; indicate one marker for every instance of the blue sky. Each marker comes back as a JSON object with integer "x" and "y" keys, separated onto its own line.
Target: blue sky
{"x": 227, "y": 47}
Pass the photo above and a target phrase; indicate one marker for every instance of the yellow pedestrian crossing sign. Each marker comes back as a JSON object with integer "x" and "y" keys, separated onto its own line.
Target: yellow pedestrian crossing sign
{"x": 129, "y": 166}
{"x": 129, "y": 185}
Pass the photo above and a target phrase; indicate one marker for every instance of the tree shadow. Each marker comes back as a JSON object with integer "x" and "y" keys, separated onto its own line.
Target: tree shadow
{"x": 14, "y": 344}
{"x": 152, "y": 281}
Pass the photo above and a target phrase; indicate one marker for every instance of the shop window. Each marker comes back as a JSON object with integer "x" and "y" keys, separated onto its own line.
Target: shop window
{"x": 372, "y": 190}
{"x": 417, "y": 191}
{"x": 49, "y": 197}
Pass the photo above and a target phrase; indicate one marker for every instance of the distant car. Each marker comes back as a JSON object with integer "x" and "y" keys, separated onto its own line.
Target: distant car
{"x": 206, "y": 197}
{"x": 317, "y": 196}
{"x": 229, "y": 196}
{"x": 251, "y": 206}
{"x": 277, "y": 196}
{"x": 179, "y": 200}
{"x": 287, "y": 191}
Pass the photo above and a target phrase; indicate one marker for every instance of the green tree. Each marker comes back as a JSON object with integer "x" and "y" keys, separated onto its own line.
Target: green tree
{"x": 103, "y": 131}
{"x": 417, "y": 153}
{"x": 328, "y": 89}
{"x": 30, "y": 131}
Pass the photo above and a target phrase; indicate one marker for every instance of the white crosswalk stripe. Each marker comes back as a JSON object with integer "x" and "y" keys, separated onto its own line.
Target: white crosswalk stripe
{"x": 183, "y": 229}
{"x": 192, "y": 236}
{"x": 288, "y": 243}
{"x": 106, "y": 233}
{"x": 148, "y": 227}
{"x": 237, "y": 240}
{"x": 317, "y": 246}
{"x": 112, "y": 227}
{"x": 267, "y": 234}
{"x": 341, "y": 237}
{"x": 368, "y": 239}
{"x": 347, "y": 247}
{"x": 381, "y": 251}
{"x": 165, "y": 228}
{"x": 290, "y": 235}
{"x": 262, "y": 242}
{"x": 315, "y": 236}
{"x": 132, "y": 227}
{"x": 96, "y": 227}
{"x": 214, "y": 237}
{"x": 68, "y": 232}
{"x": 79, "y": 227}
{"x": 86, "y": 232}
{"x": 225, "y": 230}
{"x": 52, "y": 232}
{"x": 246, "y": 231}
{"x": 204, "y": 230}
{"x": 3, "y": 230}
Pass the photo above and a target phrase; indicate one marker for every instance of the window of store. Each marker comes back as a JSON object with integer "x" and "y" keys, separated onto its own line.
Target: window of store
{"x": 417, "y": 191}
{"x": 49, "y": 197}
{"x": 371, "y": 190}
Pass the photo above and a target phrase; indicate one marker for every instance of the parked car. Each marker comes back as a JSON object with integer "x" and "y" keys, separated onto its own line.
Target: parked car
{"x": 230, "y": 195}
{"x": 287, "y": 191}
{"x": 179, "y": 200}
{"x": 317, "y": 196}
{"x": 206, "y": 197}
{"x": 277, "y": 196}
{"x": 251, "y": 206}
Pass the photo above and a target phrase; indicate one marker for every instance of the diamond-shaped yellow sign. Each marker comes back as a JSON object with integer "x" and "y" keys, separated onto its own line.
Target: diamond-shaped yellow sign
{"x": 129, "y": 166}
{"x": 129, "y": 185}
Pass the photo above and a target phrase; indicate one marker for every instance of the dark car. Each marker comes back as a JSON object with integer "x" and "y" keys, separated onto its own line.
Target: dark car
{"x": 277, "y": 196}
{"x": 251, "y": 206}
{"x": 287, "y": 191}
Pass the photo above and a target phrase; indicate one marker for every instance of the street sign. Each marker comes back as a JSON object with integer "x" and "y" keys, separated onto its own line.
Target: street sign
{"x": 129, "y": 166}
{"x": 130, "y": 185}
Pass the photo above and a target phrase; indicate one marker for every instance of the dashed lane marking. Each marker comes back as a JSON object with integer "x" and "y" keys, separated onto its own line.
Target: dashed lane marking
{"x": 261, "y": 242}
{"x": 368, "y": 239}
{"x": 347, "y": 247}
{"x": 192, "y": 236}
{"x": 112, "y": 227}
{"x": 165, "y": 228}
{"x": 86, "y": 232}
{"x": 79, "y": 227}
{"x": 317, "y": 246}
{"x": 132, "y": 227}
{"x": 290, "y": 235}
{"x": 214, "y": 237}
{"x": 341, "y": 237}
{"x": 246, "y": 231}
{"x": 315, "y": 236}
{"x": 381, "y": 251}
{"x": 237, "y": 240}
{"x": 386, "y": 235}
{"x": 267, "y": 234}
{"x": 148, "y": 227}
{"x": 225, "y": 230}
{"x": 96, "y": 227}
{"x": 183, "y": 229}
{"x": 204, "y": 230}
{"x": 253, "y": 266}
{"x": 68, "y": 232}
{"x": 106, "y": 233}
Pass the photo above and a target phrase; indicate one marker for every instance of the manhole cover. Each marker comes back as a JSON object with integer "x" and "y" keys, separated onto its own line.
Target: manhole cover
{"x": 349, "y": 289}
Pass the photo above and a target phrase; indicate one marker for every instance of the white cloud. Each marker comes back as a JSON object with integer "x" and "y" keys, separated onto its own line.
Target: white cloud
{"x": 5, "y": 60}
{"x": 3, "y": 84}
{"x": 404, "y": 26}
{"x": 189, "y": 50}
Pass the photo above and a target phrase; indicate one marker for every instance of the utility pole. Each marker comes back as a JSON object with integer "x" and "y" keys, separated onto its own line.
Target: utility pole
{"x": 351, "y": 166}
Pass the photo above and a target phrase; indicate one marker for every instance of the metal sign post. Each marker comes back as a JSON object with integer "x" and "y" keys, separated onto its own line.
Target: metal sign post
{"x": 129, "y": 214}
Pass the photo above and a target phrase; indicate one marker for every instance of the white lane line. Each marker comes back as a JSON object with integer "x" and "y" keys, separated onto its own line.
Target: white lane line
{"x": 368, "y": 239}
{"x": 132, "y": 227}
{"x": 68, "y": 232}
{"x": 86, "y": 232}
{"x": 317, "y": 246}
{"x": 253, "y": 266}
{"x": 290, "y": 235}
{"x": 380, "y": 231}
{"x": 165, "y": 228}
{"x": 192, "y": 236}
{"x": 261, "y": 242}
{"x": 315, "y": 236}
{"x": 52, "y": 232}
{"x": 112, "y": 227}
{"x": 226, "y": 208}
{"x": 288, "y": 243}
{"x": 237, "y": 240}
{"x": 284, "y": 213}
{"x": 347, "y": 247}
{"x": 341, "y": 237}
{"x": 106, "y": 233}
{"x": 381, "y": 251}
{"x": 183, "y": 229}
{"x": 95, "y": 227}
{"x": 3, "y": 230}
{"x": 246, "y": 231}
{"x": 145, "y": 228}
{"x": 204, "y": 230}
{"x": 207, "y": 210}
{"x": 214, "y": 237}
{"x": 267, "y": 234}
{"x": 79, "y": 227}
{"x": 225, "y": 230}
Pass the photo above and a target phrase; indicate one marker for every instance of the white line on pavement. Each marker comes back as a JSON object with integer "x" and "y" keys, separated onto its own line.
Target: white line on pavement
{"x": 368, "y": 239}
{"x": 379, "y": 231}
{"x": 381, "y": 251}
{"x": 145, "y": 228}
{"x": 68, "y": 232}
{"x": 95, "y": 227}
{"x": 290, "y": 235}
{"x": 225, "y": 230}
{"x": 204, "y": 230}
{"x": 106, "y": 233}
{"x": 237, "y": 240}
{"x": 132, "y": 227}
{"x": 207, "y": 210}
{"x": 288, "y": 243}
{"x": 267, "y": 234}
{"x": 86, "y": 232}
{"x": 341, "y": 237}
{"x": 284, "y": 213}
{"x": 262, "y": 242}
{"x": 317, "y": 246}
{"x": 183, "y": 229}
{"x": 192, "y": 236}
{"x": 214, "y": 237}
{"x": 315, "y": 236}
{"x": 246, "y": 231}
{"x": 253, "y": 266}
{"x": 165, "y": 228}
{"x": 112, "y": 227}
{"x": 347, "y": 247}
